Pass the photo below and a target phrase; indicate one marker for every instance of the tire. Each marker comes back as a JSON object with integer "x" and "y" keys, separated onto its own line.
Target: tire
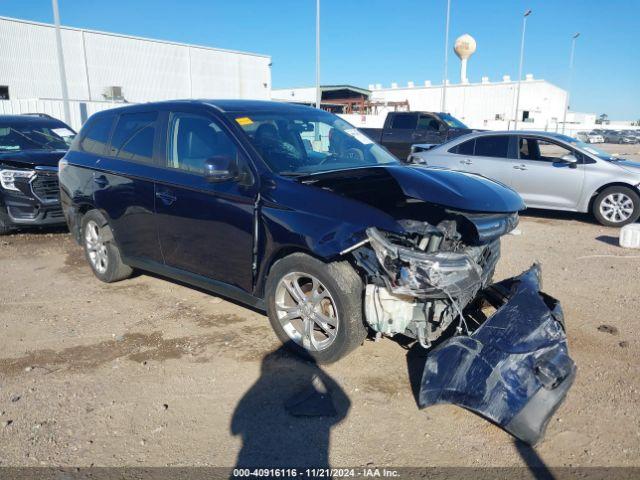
{"x": 342, "y": 305}
{"x": 100, "y": 249}
{"x": 5, "y": 224}
{"x": 612, "y": 200}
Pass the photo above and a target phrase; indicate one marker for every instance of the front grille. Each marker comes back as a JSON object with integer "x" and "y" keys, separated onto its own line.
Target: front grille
{"x": 45, "y": 186}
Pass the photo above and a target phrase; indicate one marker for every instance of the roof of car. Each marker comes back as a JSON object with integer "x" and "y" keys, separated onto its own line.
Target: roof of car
{"x": 227, "y": 106}
{"x": 30, "y": 119}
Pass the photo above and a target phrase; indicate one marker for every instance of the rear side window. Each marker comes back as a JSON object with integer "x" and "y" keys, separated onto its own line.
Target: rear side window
{"x": 495, "y": 146}
{"x": 133, "y": 137}
{"x": 464, "y": 148}
{"x": 405, "y": 121}
{"x": 96, "y": 135}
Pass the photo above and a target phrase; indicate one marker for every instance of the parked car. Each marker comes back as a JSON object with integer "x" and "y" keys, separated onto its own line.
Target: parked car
{"x": 403, "y": 129}
{"x": 30, "y": 148}
{"x": 590, "y": 137}
{"x": 292, "y": 210}
{"x": 549, "y": 170}
{"x": 616, "y": 136}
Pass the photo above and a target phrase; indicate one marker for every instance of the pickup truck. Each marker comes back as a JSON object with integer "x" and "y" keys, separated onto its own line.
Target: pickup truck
{"x": 403, "y": 129}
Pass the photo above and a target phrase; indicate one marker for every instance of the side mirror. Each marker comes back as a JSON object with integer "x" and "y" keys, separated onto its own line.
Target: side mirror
{"x": 570, "y": 158}
{"x": 442, "y": 127}
{"x": 220, "y": 169}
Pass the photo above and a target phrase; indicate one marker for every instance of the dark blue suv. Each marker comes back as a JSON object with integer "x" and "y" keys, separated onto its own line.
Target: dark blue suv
{"x": 292, "y": 210}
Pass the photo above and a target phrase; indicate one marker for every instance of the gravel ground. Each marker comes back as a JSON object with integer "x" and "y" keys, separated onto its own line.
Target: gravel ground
{"x": 147, "y": 372}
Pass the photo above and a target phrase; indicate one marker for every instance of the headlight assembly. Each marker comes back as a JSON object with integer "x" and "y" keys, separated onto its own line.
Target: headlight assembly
{"x": 423, "y": 274}
{"x": 8, "y": 178}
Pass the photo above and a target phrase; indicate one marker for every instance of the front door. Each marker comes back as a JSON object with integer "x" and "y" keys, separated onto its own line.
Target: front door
{"x": 204, "y": 228}
{"x": 543, "y": 179}
{"x": 429, "y": 130}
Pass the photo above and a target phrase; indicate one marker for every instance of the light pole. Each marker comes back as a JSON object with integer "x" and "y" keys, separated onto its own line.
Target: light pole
{"x": 524, "y": 28}
{"x": 318, "y": 92}
{"x": 566, "y": 106}
{"x": 63, "y": 73}
{"x": 446, "y": 59}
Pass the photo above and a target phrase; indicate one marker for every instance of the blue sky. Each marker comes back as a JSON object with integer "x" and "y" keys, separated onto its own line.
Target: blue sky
{"x": 376, "y": 41}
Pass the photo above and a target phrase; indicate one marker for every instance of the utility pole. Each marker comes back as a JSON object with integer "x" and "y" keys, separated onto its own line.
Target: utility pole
{"x": 446, "y": 59}
{"x": 63, "y": 73}
{"x": 524, "y": 27}
{"x": 318, "y": 92}
{"x": 566, "y": 106}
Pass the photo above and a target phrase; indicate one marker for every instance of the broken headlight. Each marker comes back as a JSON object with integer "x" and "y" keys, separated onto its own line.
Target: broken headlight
{"x": 418, "y": 273}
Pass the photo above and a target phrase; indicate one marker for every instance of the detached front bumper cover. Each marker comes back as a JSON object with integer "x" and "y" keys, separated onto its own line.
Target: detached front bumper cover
{"x": 514, "y": 369}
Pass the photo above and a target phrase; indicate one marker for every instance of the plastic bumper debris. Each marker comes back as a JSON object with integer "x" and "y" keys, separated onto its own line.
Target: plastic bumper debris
{"x": 514, "y": 369}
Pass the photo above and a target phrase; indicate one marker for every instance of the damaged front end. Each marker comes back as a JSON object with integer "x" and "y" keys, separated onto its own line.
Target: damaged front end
{"x": 510, "y": 366}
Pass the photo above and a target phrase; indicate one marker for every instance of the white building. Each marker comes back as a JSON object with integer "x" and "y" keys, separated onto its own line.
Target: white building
{"x": 105, "y": 67}
{"x": 489, "y": 105}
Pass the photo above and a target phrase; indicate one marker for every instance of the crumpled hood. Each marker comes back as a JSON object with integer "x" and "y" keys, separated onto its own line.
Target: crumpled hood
{"x": 450, "y": 189}
{"x": 32, "y": 158}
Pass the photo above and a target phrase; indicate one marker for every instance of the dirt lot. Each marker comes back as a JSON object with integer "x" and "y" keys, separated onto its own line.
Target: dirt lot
{"x": 149, "y": 372}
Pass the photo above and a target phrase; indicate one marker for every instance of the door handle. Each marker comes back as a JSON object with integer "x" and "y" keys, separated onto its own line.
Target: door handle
{"x": 466, "y": 162}
{"x": 520, "y": 167}
{"x": 166, "y": 197}
{"x": 101, "y": 181}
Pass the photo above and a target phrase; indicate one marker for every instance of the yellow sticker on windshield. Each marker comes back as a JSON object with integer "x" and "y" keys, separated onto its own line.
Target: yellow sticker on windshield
{"x": 244, "y": 121}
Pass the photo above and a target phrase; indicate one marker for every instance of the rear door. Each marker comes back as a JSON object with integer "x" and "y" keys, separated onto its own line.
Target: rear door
{"x": 204, "y": 228}
{"x": 543, "y": 179}
{"x": 400, "y": 133}
{"x": 492, "y": 158}
{"x": 124, "y": 184}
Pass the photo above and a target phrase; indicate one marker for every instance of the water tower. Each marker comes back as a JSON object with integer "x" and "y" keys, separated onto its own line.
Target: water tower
{"x": 464, "y": 47}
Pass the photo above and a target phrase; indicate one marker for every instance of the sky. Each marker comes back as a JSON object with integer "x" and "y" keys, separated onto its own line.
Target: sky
{"x": 365, "y": 42}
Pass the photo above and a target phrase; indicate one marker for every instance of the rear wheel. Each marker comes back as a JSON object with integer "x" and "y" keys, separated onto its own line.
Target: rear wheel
{"x": 100, "y": 249}
{"x": 315, "y": 308}
{"x": 617, "y": 206}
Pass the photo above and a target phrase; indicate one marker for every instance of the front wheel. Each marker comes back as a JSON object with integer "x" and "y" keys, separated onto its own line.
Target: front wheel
{"x": 617, "y": 206}
{"x": 315, "y": 308}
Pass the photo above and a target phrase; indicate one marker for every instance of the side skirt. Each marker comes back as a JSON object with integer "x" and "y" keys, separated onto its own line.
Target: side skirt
{"x": 209, "y": 284}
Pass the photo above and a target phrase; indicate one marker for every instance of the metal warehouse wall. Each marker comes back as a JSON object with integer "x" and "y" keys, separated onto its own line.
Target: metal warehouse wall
{"x": 147, "y": 70}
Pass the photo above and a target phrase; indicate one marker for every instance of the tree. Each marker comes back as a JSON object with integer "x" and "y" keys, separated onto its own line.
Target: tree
{"x": 603, "y": 119}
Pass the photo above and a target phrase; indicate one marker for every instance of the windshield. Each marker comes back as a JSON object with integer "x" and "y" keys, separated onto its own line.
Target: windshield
{"x": 304, "y": 142}
{"x": 587, "y": 147}
{"x": 453, "y": 122}
{"x": 34, "y": 136}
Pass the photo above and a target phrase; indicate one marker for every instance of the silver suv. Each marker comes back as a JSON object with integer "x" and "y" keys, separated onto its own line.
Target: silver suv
{"x": 549, "y": 170}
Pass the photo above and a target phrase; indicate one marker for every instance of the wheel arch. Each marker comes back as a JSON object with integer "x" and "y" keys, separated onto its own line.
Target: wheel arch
{"x": 276, "y": 255}
{"x": 595, "y": 194}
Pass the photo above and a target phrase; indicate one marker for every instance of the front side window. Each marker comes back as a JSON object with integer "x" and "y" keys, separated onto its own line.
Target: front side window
{"x": 404, "y": 121}
{"x": 429, "y": 123}
{"x": 493, "y": 146}
{"x": 194, "y": 139}
{"x": 542, "y": 150}
{"x": 133, "y": 137}
{"x": 302, "y": 142}
{"x": 24, "y": 135}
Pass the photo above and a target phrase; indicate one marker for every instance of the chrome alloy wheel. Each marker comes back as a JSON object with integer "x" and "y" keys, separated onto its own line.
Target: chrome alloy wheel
{"x": 96, "y": 247}
{"x": 307, "y": 311}
{"x": 616, "y": 207}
